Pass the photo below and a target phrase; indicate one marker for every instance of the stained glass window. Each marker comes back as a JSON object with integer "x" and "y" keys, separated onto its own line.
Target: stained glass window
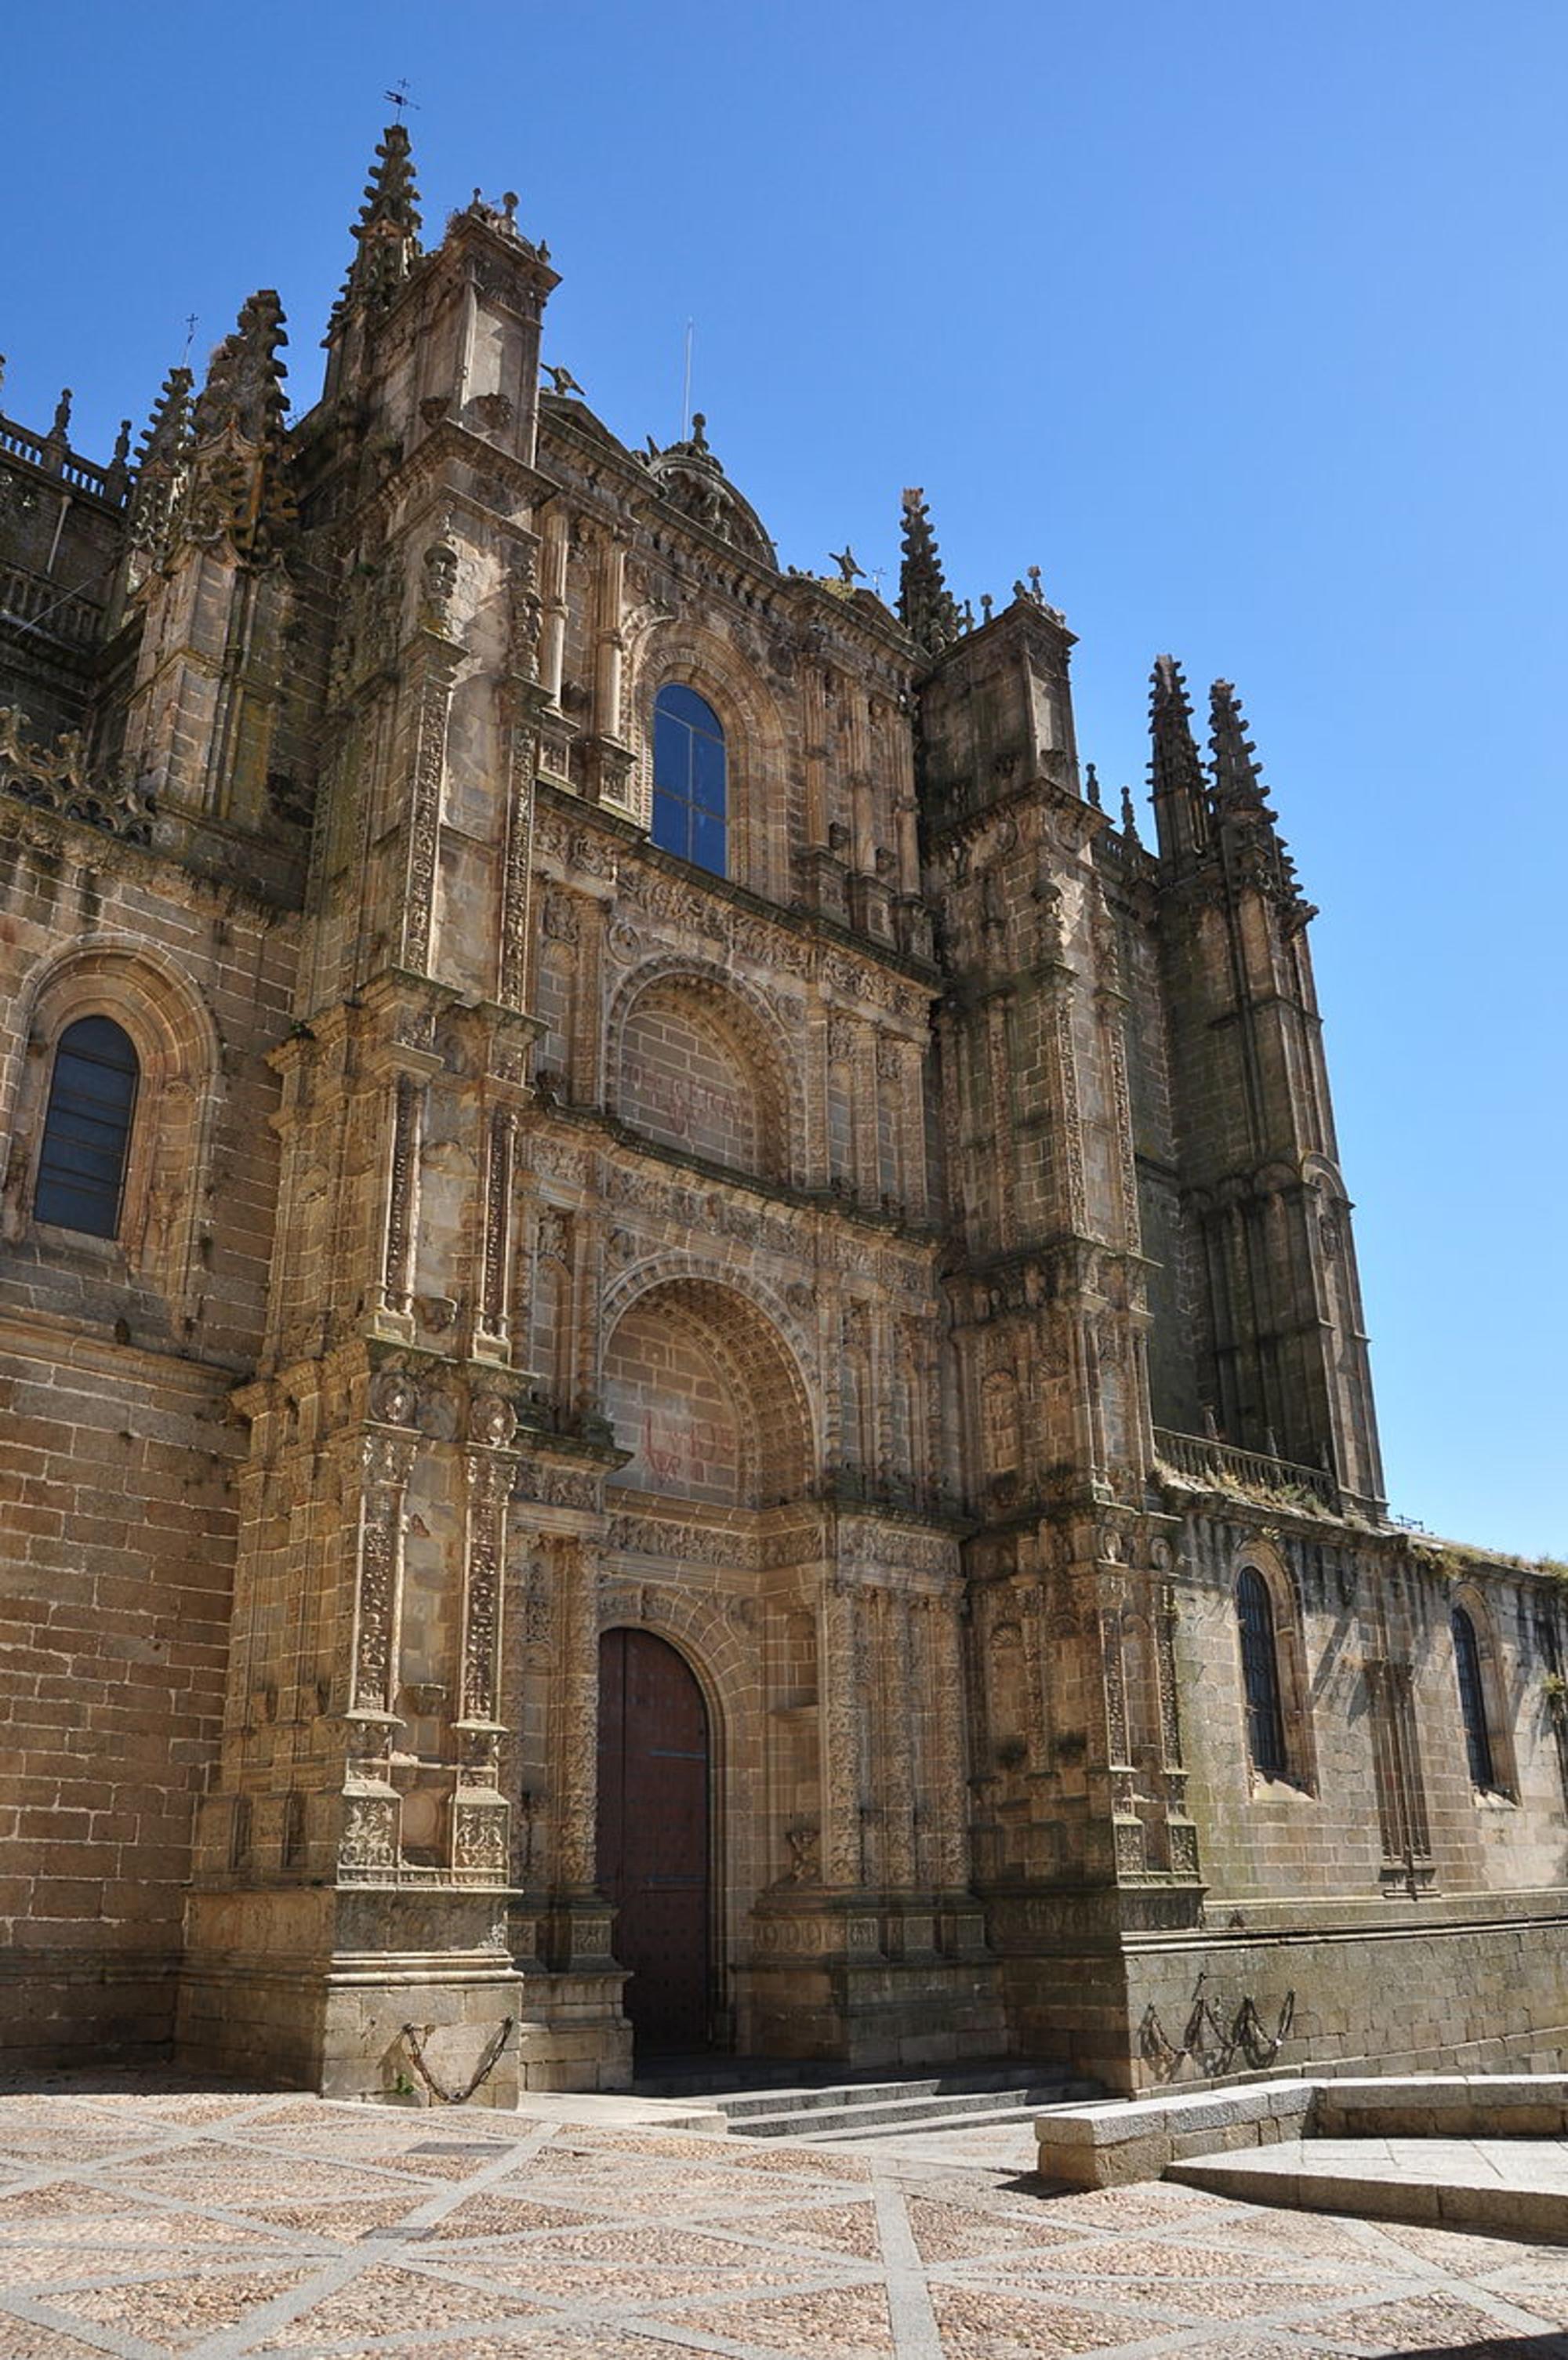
{"x": 87, "y": 1129}
{"x": 689, "y": 784}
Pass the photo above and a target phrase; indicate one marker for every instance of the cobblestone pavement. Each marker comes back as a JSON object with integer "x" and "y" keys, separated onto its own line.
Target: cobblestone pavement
{"x": 147, "y": 2222}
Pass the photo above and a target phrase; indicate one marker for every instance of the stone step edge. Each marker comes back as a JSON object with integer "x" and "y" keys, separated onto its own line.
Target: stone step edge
{"x": 849, "y": 2121}
{"x": 1450, "y": 2203}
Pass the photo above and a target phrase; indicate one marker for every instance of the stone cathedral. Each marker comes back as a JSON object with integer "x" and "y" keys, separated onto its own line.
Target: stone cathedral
{"x": 680, "y": 1365}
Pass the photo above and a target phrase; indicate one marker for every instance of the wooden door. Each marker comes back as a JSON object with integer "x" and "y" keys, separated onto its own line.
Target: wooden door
{"x": 653, "y": 1835}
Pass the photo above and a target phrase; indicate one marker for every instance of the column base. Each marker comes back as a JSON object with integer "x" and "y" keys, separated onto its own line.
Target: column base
{"x": 406, "y": 1997}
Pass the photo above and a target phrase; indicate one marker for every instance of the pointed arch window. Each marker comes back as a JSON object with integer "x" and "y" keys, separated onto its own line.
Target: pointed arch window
{"x": 1472, "y": 1701}
{"x": 690, "y": 782}
{"x": 87, "y": 1129}
{"x": 1260, "y": 1674}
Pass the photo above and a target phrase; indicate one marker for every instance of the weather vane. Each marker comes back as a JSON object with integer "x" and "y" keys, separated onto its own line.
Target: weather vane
{"x": 397, "y": 96}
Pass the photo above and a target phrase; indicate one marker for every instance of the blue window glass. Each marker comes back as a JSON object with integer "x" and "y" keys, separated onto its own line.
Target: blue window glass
{"x": 87, "y": 1129}
{"x": 1260, "y": 1674}
{"x": 1473, "y": 1700}
{"x": 690, "y": 779}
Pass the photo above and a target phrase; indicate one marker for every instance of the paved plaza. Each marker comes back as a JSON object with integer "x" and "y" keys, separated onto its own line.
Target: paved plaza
{"x": 146, "y": 2221}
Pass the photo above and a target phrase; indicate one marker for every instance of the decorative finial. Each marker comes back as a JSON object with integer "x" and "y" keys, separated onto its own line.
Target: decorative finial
{"x": 986, "y": 603}
{"x": 1035, "y": 594}
{"x": 561, "y": 380}
{"x": 699, "y": 430}
{"x": 122, "y": 445}
{"x": 1129, "y": 816}
{"x": 60, "y": 430}
{"x": 509, "y": 201}
{"x": 1092, "y": 785}
{"x": 849, "y": 572}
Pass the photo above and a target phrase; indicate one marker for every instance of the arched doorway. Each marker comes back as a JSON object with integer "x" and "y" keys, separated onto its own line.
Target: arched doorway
{"x": 653, "y": 1835}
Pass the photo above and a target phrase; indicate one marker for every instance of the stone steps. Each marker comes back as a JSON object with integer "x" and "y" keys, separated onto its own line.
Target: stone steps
{"x": 881, "y": 2109}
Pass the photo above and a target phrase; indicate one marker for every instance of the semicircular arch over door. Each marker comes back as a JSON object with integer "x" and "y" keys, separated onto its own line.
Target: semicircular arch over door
{"x": 653, "y": 1835}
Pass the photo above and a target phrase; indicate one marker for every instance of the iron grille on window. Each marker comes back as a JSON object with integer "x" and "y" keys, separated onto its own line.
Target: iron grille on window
{"x": 1261, "y": 1672}
{"x": 87, "y": 1129}
{"x": 1471, "y": 1700}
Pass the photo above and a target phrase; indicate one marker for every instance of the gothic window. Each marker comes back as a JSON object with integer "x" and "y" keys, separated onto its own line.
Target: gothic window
{"x": 1260, "y": 1674}
{"x": 690, "y": 781}
{"x": 1472, "y": 1701}
{"x": 87, "y": 1129}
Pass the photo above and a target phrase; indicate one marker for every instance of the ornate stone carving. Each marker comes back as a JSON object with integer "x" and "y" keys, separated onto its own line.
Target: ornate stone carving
{"x": 369, "y": 1838}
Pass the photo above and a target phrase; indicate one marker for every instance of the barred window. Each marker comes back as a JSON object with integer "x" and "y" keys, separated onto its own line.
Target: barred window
{"x": 1473, "y": 1700}
{"x": 690, "y": 781}
{"x": 1260, "y": 1674}
{"x": 87, "y": 1129}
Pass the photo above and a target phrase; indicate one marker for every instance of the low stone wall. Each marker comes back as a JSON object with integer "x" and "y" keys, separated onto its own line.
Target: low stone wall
{"x": 1107, "y": 2145}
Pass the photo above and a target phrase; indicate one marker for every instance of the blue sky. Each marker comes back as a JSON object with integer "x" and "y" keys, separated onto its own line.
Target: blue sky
{"x": 1244, "y": 321}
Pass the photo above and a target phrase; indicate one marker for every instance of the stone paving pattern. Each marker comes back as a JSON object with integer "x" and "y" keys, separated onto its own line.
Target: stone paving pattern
{"x": 147, "y": 2223}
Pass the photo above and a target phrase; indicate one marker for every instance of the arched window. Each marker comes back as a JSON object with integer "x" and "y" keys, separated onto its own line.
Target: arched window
{"x": 1260, "y": 1674}
{"x": 690, "y": 787}
{"x": 87, "y": 1129}
{"x": 1473, "y": 1700}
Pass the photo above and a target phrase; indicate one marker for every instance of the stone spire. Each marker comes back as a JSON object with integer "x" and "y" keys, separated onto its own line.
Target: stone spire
{"x": 386, "y": 235}
{"x": 237, "y": 487}
{"x": 1175, "y": 769}
{"x": 926, "y": 606}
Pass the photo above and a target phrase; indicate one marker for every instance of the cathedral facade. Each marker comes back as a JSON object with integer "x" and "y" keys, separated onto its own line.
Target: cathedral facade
{"x": 681, "y": 1364}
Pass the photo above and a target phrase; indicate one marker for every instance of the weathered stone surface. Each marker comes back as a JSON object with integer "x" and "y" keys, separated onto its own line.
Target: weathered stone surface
{"x": 896, "y": 1257}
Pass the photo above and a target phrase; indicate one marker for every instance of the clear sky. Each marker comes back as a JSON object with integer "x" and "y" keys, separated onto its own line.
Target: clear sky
{"x": 1243, "y": 319}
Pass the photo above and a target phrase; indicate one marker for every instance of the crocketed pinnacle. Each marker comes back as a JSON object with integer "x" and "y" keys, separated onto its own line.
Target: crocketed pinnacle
{"x": 387, "y": 234}
{"x": 161, "y": 458}
{"x": 168, "y": 427}
{"x": 244, "y": 394}
{"x": 1237, "y": 785}
{"x": 926, "y": 606}
{"x": 1175, "y": 769}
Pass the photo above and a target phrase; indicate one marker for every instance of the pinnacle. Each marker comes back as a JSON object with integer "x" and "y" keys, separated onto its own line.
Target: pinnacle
{"x": 169, "y": 421}
{"x": 1237, "y": 786}
{"x": 926, "y": 606}
{"x": 391, "y": 195}
{"x": 386, "y": 235}
{"x": 1174, "y": 764}
{"x": 243, "y": 392}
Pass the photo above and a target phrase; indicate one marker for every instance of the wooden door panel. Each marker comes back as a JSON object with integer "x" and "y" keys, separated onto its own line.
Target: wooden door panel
{"x": 653, "y": 1834}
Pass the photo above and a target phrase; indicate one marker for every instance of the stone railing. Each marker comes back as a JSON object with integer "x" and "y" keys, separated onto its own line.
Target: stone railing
{"x": 1205, "y": 1461}
{"x": 55, "y": 778}
{"x": 53, "y": 456}
{"x": 40, "y": 605}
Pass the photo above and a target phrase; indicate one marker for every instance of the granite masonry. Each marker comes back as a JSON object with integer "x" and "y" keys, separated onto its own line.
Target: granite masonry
{"x": 679, "y": 1353}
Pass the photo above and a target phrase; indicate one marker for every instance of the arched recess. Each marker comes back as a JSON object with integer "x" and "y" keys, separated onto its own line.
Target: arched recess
{"x": 176, "y": 1042}
{"x": 1282, "y": 1625}
{"x": 755, "y": 741}
{"x": 697, "y": 1060}
{"x": 704, "y": 1390}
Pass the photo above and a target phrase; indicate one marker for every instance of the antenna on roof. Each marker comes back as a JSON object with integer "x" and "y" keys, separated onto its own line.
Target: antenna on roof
{"x": 686, "y": 389}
